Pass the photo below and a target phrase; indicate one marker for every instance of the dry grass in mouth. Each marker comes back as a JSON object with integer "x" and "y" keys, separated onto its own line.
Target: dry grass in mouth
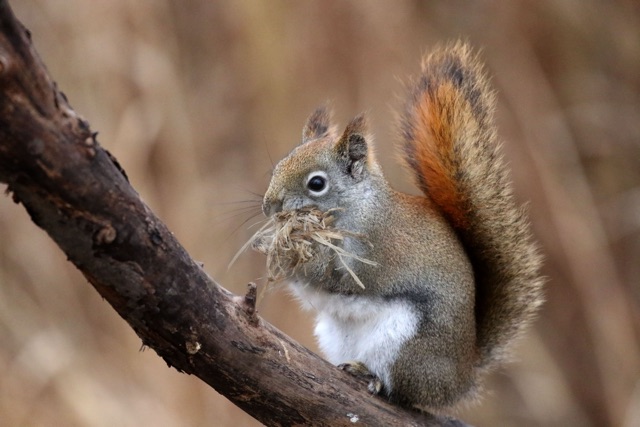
{"x": 287, "y": 239}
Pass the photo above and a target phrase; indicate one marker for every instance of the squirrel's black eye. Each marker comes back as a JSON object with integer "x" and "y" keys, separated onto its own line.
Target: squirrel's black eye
{"x": 317, "y": 183}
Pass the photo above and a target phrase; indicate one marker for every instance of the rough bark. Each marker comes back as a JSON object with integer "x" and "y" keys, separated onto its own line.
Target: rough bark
{"x": 76, "y": 191}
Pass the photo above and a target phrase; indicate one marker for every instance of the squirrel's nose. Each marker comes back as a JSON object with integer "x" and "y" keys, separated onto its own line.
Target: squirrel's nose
{"x": 271, "y": 206}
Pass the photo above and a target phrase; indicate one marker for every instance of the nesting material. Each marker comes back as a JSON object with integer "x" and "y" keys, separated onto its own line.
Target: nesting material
{"x": 288, "y": 240}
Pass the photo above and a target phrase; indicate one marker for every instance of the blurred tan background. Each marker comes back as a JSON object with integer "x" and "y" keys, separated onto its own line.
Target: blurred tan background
{"x": 196, "y": 99}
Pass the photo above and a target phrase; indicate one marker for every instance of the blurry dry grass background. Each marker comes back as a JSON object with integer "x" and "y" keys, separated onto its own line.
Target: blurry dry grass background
{"x": 195, "y": 97}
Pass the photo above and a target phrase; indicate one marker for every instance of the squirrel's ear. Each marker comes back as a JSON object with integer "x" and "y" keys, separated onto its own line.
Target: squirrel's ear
{"x": 352, "y": 148}
{"x": 318, "y": 124}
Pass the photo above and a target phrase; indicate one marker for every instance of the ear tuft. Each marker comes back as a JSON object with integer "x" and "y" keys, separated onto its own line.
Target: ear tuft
{"x": 357, "y": 126}
{"x": 318, "y": 124}
{"x": 352, "y": 146}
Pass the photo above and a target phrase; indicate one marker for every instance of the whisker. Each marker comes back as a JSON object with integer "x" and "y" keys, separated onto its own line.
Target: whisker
{"x": 260, "y": 196}
{"x": 266, "y": 148}
{"x": 237, "y": 213}
{"x": 235, "y": 230}
{"x": 238, "y": 202}
{"x": 243, "y": 209}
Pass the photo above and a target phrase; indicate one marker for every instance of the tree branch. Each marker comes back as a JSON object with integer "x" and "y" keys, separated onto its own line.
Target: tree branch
{"x": 75, "y": 190}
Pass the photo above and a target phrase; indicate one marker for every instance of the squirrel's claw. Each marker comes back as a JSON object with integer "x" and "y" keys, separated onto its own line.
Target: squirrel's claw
{"x": 360, "y": 370}
{"x": 375, "y": 386}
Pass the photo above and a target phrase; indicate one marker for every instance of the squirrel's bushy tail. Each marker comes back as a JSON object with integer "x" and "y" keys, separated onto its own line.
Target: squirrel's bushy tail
{"x": 450, "y": 145}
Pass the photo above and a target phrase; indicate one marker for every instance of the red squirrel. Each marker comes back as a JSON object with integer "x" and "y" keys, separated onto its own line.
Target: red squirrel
{"x": 454, "y": 273}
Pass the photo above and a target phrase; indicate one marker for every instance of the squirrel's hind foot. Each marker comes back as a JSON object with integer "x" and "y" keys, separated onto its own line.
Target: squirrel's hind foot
{"x": 360, "y": 370}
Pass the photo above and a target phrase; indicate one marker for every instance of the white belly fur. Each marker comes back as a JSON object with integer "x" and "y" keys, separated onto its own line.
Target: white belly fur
{"x": 360, "y": 328}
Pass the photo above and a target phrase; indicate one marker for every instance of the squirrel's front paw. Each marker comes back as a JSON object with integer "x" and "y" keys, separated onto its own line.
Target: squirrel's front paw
{"x": 360, "y": 370}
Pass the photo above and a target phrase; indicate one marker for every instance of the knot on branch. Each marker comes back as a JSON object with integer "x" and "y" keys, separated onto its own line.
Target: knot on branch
{"x": 106, "y": 235}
